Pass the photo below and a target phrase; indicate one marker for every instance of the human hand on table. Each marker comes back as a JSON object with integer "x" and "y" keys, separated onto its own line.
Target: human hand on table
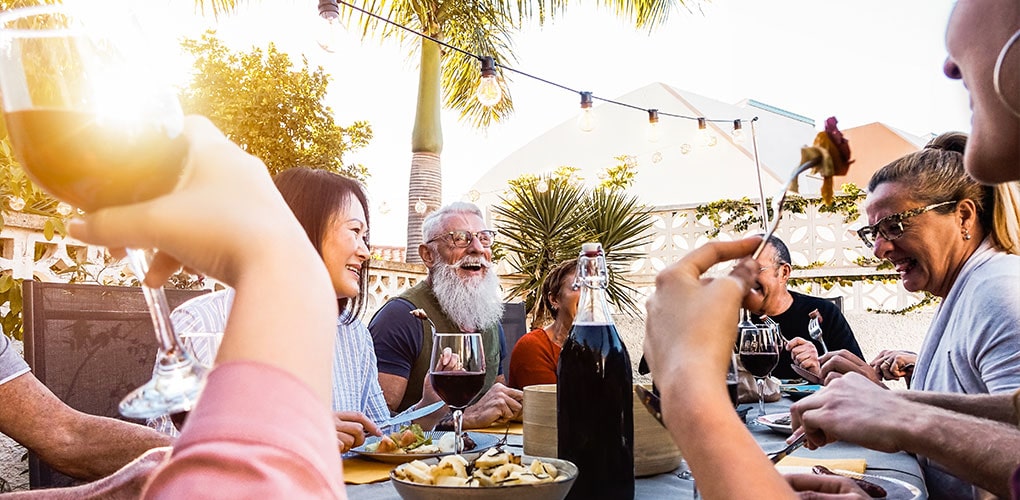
{"x": 499, "y": 405}
{"x": 893, "y": 365}
{"x": 841, "y": 362}
{"x": 816, "y": 487}
{"x": 852, "y": 408}
{"x": 351, "y": 429}
{"x": 805, "y": 357}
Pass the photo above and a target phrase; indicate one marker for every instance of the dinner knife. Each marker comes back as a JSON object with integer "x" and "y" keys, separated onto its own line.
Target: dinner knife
{"x": 411, "y": 415}
{"x": 651, "y": 401}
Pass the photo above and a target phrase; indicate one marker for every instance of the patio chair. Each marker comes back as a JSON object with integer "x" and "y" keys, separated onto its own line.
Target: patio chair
{"x": 515, "y": 326}
{"x": 90, "y": 345}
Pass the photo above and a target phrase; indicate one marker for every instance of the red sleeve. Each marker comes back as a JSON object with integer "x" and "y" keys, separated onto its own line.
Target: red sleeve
{"x": 533, "y": 361}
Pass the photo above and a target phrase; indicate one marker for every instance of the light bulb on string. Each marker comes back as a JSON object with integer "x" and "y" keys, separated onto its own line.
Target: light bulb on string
{"x": 384, "y": 208}
{"x": 328, "y": 32}
{"x": 586, "y": 122}
{"x": 420, "y": 207}
{"x": 473, "y": 195}
{"x": 704, "y": 136}
{"x": 489, "y": 94}
{"x": 64, "y": 209}
{"x": 738, "y": 132}
{"x": 542, "y": 186}
{"x": 685, "y": 148}
{"x": 16, "y": 203}
{"x": 654, "y": 133}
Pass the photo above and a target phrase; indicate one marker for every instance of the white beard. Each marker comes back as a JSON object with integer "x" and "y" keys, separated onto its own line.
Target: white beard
{"x": 475, "y": 303}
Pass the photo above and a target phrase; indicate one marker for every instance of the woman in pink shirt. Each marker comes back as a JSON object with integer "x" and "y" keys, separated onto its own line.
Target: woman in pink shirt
{"x": 228, "y": 220}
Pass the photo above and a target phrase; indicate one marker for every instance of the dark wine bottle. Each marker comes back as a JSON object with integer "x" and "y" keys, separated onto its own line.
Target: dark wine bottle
{"x": 594, "y": 391}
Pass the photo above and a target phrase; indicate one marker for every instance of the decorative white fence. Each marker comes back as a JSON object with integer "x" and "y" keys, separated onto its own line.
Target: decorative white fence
{"x": 812, "y": 237}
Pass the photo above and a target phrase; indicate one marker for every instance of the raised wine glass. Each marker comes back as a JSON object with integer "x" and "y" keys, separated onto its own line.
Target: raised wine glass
{"x": 457, "y": 374}
{"x": 759, "y": 353}
{"x": 93, "y": 125}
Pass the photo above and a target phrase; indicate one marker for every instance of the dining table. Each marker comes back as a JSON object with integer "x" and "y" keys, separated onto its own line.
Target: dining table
{"x": 900, "y": 468}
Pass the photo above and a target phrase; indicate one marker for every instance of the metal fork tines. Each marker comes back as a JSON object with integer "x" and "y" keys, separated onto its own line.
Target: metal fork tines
{"x": 815, "y": 331}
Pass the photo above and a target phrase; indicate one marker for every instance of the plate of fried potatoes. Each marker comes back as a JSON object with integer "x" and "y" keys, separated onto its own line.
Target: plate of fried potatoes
{"x": 500, "y": 473}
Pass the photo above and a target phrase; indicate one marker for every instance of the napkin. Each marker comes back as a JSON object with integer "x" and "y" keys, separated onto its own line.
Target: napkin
{"x": 516, "y": 428}
{"x": 359, "y": 470}
{"x": 849, "y": 464}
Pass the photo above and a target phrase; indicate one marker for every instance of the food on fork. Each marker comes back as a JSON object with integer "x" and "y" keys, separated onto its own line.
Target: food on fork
{"x": 834, "y": 152}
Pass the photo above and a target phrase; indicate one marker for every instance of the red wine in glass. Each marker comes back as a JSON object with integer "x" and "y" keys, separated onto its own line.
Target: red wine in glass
{"x": 760, "y": 364}
{"x": 457, "y": 388}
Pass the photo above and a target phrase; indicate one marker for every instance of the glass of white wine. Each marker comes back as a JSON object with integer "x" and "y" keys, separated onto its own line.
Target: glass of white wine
{"x": 92, "y": 125}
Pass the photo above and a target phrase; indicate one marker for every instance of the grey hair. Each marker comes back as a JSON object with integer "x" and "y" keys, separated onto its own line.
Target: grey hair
{"x": 433, "y": 224}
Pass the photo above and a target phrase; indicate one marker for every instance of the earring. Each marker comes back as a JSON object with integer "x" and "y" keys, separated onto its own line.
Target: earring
{"x": 997, "y": 72}
{"x": 966, "y": 234}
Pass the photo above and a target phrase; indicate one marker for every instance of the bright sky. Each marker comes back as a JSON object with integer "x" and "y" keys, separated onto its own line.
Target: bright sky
{"x": 860, "y": 60}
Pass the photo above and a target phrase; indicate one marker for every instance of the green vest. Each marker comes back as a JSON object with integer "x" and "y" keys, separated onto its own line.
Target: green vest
{"x": 422, "y": 297}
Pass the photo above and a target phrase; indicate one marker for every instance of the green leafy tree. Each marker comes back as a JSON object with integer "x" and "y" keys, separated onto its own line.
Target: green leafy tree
{"x": 482, "y": 28}
{"x": 270, "y": 108}
{"x": 544, "y": 220}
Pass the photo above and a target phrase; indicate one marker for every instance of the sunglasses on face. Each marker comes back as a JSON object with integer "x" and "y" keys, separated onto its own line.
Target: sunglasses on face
{"x": 463, "y": 239}
{"x": 891, "y": 227}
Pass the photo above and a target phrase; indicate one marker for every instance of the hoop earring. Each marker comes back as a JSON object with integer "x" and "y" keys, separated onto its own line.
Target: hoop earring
{"x": 997, "y": 72}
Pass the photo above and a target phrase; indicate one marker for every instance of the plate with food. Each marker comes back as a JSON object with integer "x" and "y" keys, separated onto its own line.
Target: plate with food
{"x": 410, "y": 442}
{"x": 875, "y": 485}
{"x": 503, "y": 476}
{"x": 779, "y": 422}
{"x": 796, "y": 392}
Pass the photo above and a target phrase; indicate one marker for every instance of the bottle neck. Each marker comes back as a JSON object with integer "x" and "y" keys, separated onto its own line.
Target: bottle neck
{"x": 593, "y": 303}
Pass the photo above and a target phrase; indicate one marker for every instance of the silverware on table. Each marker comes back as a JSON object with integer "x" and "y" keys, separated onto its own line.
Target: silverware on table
{"x": 775, "y": 457}
{"x": 411, "y": 415}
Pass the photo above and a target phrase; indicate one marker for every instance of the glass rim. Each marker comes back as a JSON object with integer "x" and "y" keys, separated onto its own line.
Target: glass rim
{"x": 11, "y": 15}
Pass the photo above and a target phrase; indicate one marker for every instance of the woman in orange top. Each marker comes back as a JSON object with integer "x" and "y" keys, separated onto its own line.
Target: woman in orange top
{"x": 533, "y": 360}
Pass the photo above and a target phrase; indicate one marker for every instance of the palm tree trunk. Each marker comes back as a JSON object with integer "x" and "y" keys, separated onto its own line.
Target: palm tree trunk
{"x": 426, "y": 179}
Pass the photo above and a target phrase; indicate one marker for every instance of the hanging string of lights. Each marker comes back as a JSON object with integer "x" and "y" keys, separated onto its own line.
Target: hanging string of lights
{"x": 489, "y": 93}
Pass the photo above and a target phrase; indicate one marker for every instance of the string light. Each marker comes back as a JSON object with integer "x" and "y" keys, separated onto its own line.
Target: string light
{"x": 473, "y": 195}
{"x": 738, "y": 132}
{"x": 328, "y": 32}
{"x": 329, "y": 11}
{"x": 384, "y": 208}
{"x": 489, "y": 93}
{"x": 64, "y": 209}
{"x": 586, "y": 122}
{"x": 542, "y": 186}
{"x": 16, "y": 203}
{"x": 653, "y": 126}
{"x": 420, "y": 207}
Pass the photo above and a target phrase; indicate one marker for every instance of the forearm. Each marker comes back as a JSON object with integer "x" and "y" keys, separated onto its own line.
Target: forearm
{"x": 722, "y": 454}
{"x": 98, "y": 446}
{"x": 998, "y": 407}
{"x": 980, "y": 451}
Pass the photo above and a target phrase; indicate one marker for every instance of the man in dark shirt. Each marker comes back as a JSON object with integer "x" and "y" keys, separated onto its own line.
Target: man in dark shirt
{"x": 792, "y": 310}
{"x": 460, "y": 294}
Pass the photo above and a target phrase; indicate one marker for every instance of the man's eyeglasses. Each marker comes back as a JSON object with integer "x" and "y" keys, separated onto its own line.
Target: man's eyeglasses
{"x": 462, "y": 239}
{"x": 891, "y": 227}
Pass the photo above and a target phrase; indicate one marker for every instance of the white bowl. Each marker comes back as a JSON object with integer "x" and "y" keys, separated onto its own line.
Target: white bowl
{"x": 555, "y": 490}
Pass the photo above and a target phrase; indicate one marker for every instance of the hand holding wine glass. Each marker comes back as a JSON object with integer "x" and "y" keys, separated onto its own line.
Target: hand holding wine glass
{"x": 759, "y": 353}
{"x": 457, "y": 374}
{"x": 92, "y": 125}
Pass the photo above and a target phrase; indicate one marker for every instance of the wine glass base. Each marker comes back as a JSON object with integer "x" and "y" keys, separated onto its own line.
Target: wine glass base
{"x": 172, "y": 389}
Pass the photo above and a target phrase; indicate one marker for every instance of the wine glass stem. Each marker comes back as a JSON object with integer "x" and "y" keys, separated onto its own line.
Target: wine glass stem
{"x": 156, "y": 300}
{"x": 761, "y": 395}
{"x": 458, "y": 422}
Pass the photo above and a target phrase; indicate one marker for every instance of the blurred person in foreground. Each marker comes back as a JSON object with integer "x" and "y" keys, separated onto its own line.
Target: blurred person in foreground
{"x": 460, "y": 294}
{"x": 982, "y": 36}
{"x": 290, "y": 450}
{"x": 793, "y": 311}
{"x": 536, "y": 355}
{"x": 333, "y": 211}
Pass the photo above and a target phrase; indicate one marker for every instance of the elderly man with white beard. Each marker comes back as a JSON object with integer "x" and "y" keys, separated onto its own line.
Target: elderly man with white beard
{"x": 460, "y": 294}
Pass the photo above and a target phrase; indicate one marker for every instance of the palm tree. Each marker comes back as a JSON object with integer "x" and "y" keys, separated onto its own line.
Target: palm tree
{"x": 481, "y": 28}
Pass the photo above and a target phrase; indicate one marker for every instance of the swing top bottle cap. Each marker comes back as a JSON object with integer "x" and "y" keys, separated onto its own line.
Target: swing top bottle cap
{"x": 591, "y": 249}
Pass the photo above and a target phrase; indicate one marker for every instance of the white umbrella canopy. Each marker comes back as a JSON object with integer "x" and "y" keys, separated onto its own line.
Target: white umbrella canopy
{"x": 678, "y": 169}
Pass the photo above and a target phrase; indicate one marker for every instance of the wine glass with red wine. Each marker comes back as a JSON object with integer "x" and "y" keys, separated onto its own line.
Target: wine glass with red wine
{"x": 457, "y": 374}
{"x": 92, "y": 124}
{"x": 759, "y": 353}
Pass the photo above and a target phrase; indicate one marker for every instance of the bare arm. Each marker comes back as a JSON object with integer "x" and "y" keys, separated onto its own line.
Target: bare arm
{"x": 393, "y": 387}
{"x": 77, "y": 444}
{"x": 852, "y": 408}
{"x": 998, "y": 407}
